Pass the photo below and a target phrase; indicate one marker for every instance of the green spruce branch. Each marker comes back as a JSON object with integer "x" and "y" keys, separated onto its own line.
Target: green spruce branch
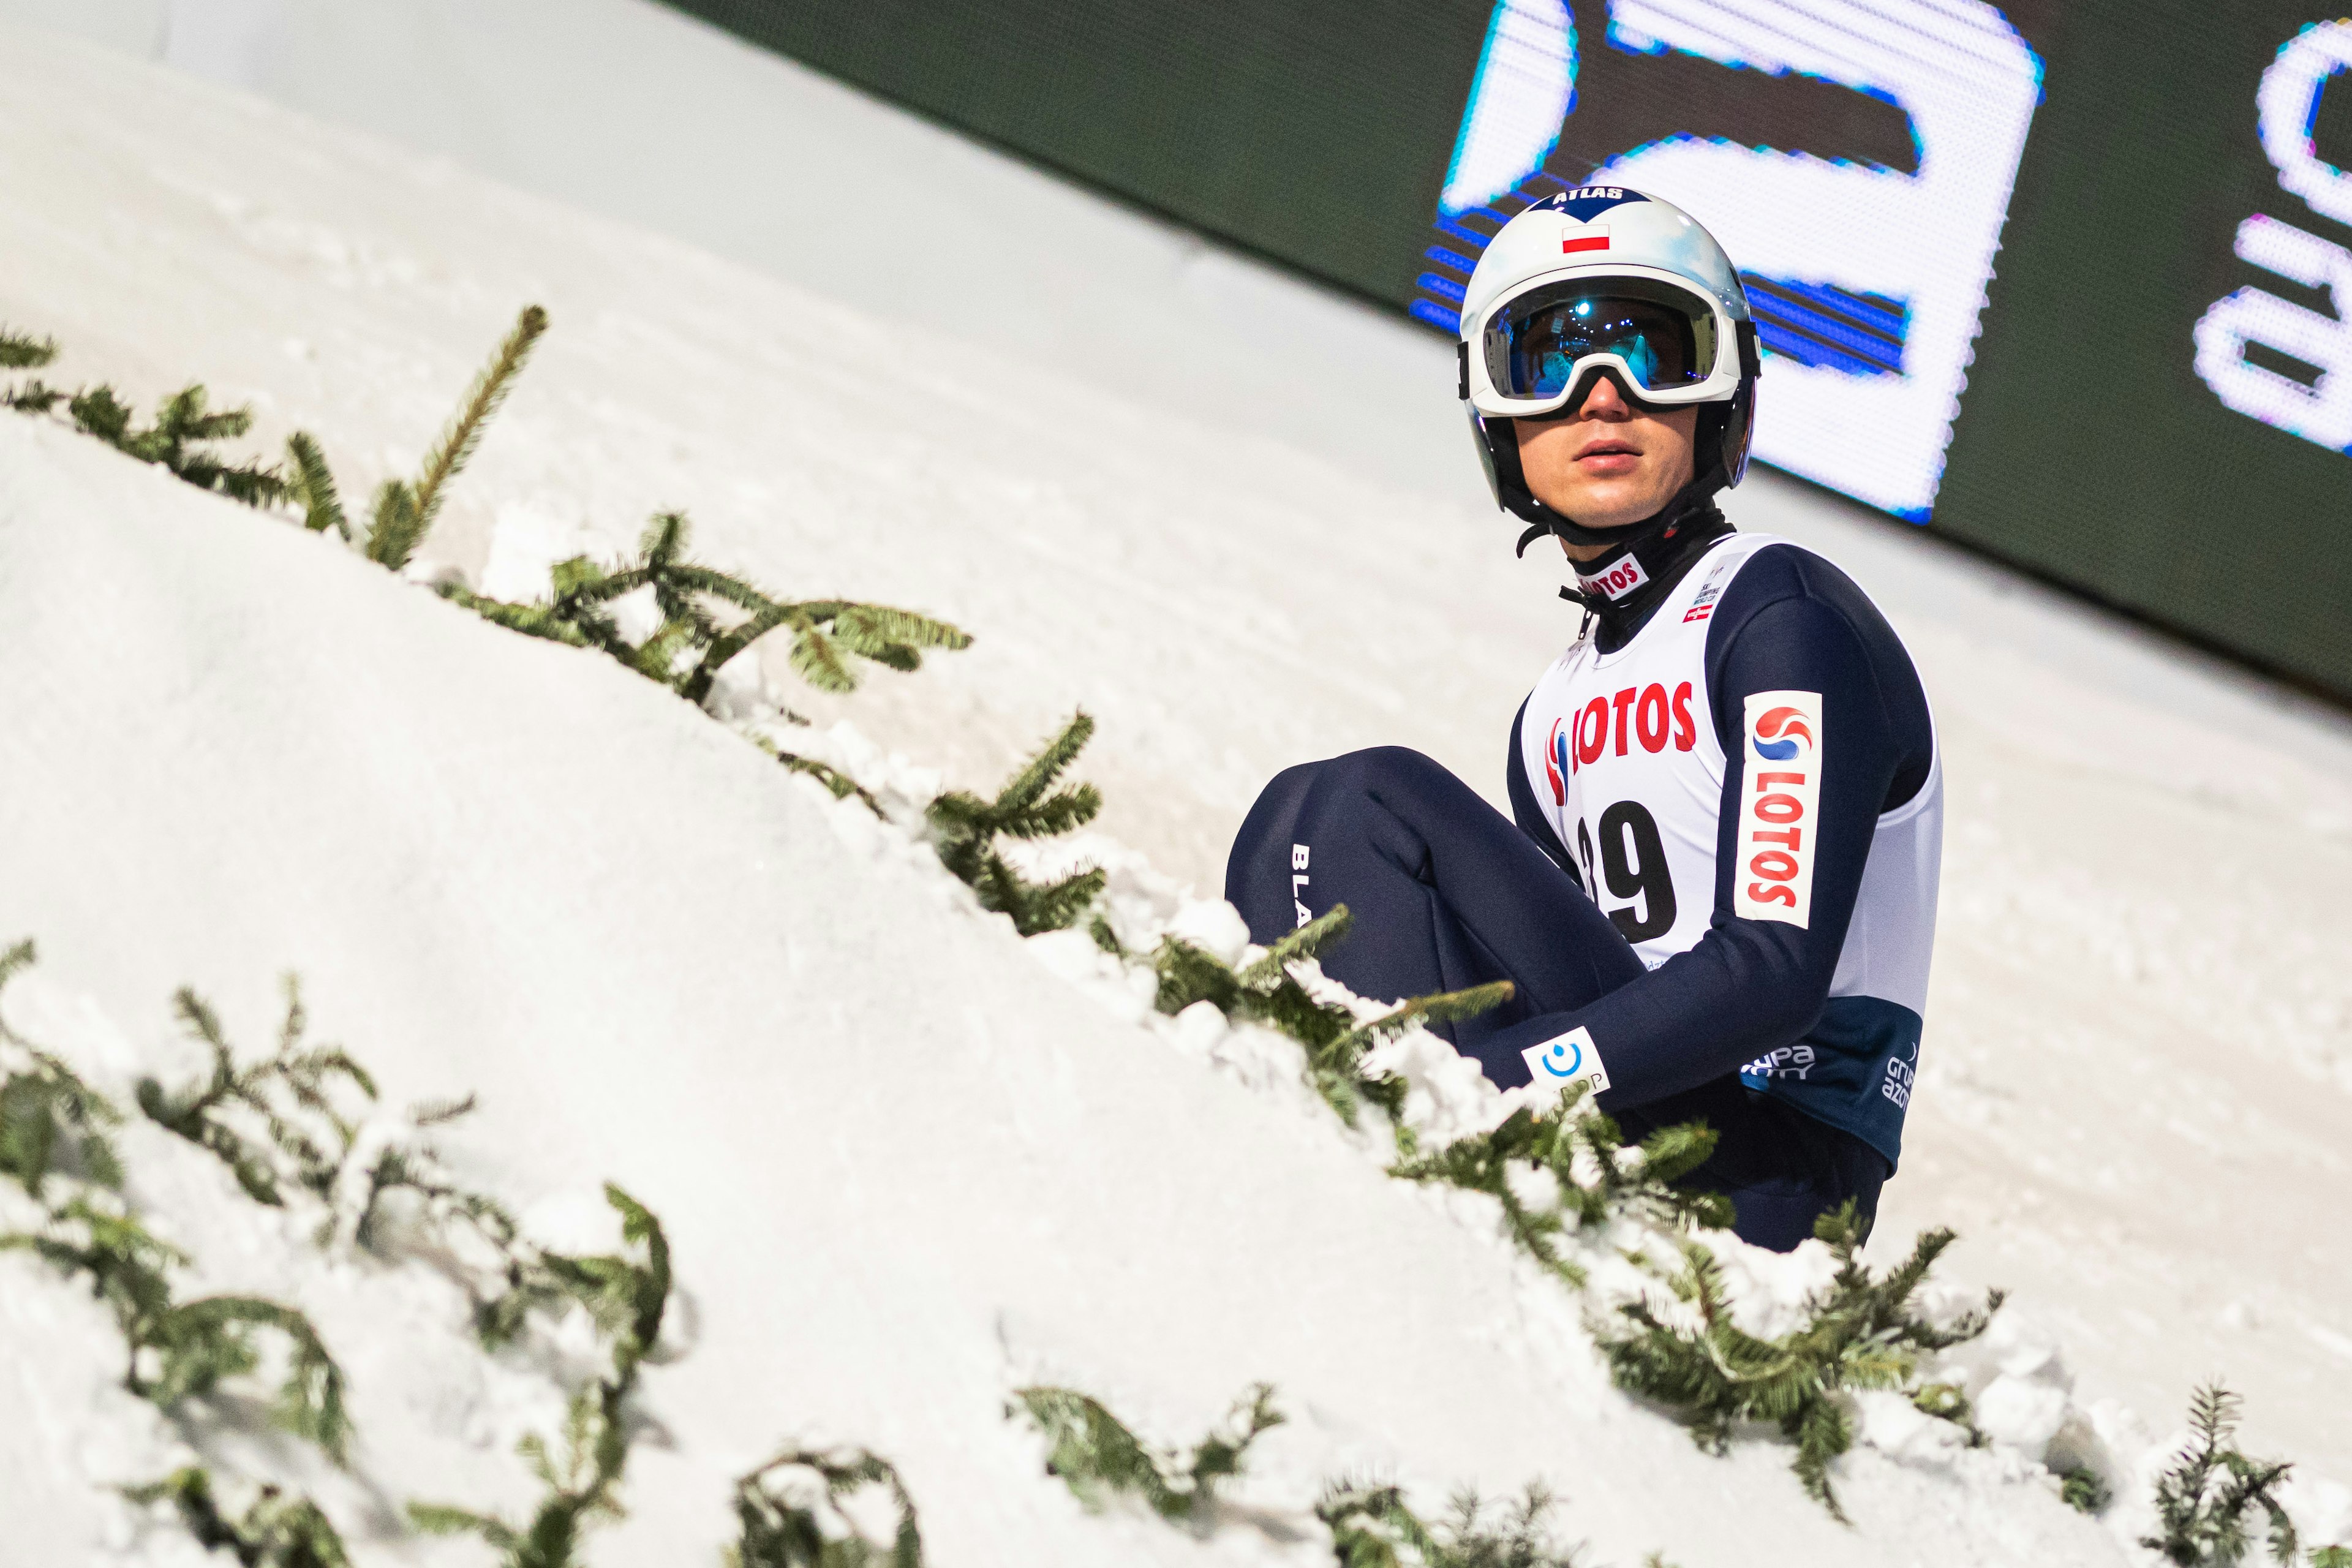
{"x": 626, "y": 1296}
{"x": 2081, "y": 1488}
{"x": 275, "y": 1530}
{"x": 790, "y": 1513}
{"x": 841, "y": 785}
{"x": 310, "y": 485}
{"x": 710, "y": 617}
{"x": 304, "y": 1136}
{"x": 1099, "y": 1459}
{"x": 1371, "y": 1527}
{"x": 185, "y": 427}
{"x": 405, "y": 509}
{"x": 581, "y": 1477}
{"x": 1264, "y": 992}
{"x": 965, "y": 830}
{"x": 454, "y": 448}
{"x": 178, "y": 1351}
{"x": 51, "y": 1121}
{"x": 2085, "y": 1490}
{"x": 203, "y": 1343}
{"x": 1863, "y": 1332}
{"x": 174, "y": 1350}
{"x": 1530, "y": 1163}
{"x": 414, "y": 1173}
{"x": 22, "y": 351}
{"x": 2203, "y": 1498}
{"x": 181, "y": 440}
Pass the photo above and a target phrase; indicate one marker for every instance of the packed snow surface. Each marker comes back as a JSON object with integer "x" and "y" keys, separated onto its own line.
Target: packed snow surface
{"x": 906, "y": 1166}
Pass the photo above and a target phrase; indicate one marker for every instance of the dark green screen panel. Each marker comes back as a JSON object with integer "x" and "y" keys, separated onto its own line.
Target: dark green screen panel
{"x": 2089, "y": 446}
{"x": 1314, "y": 132}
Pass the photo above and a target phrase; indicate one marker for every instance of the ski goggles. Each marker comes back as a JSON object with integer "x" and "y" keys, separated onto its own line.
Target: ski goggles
{"x": 1667, "y": 343}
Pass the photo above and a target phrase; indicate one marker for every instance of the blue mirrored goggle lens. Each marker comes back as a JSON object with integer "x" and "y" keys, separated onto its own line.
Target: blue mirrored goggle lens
{"x": 1533, "y": 345}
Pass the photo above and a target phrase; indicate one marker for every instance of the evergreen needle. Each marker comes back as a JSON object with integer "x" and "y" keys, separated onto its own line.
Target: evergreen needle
{"x": 462, "y": 433}
{"x": 790, "y": 1513}
{"x": 2203, "y": 1498}
{"x": 22, "y": 351}
{"x": 1098, "y": 1457}
{"x": 276, "y": 1532}
{"x": 313, "y": 487}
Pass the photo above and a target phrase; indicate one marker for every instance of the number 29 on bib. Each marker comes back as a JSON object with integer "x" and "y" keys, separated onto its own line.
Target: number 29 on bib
{"x": 1782, "y": 741}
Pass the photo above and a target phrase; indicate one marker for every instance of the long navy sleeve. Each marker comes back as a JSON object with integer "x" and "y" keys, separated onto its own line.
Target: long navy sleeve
{"x": 1790, "y": 621}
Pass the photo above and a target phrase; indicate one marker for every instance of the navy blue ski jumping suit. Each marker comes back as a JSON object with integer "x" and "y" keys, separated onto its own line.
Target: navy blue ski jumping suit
{"x": 1445, "y": 892}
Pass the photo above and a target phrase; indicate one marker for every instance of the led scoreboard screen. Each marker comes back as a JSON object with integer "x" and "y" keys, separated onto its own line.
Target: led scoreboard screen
{"x": 2068, "y": 280}
{"x": 1865, "y": 230}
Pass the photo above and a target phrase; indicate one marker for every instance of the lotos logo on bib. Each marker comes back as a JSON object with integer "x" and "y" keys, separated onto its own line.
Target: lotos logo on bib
{"x": 1556, "y": 763}
{"x": 1564, "y": 1062}
{"x": 1615, "y": 582}
{"x": 1782, "y": 792}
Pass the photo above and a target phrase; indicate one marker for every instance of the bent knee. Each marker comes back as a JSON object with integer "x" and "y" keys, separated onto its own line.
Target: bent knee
{"x": 1399, "y": 780}
{"x": 1378, "y": 767}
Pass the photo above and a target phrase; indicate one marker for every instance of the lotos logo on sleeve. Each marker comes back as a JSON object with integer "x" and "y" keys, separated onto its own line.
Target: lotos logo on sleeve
{"x": 1774, "y": 877}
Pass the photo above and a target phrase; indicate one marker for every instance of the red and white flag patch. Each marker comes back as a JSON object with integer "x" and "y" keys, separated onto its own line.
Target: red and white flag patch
{"x": 1577, "y": 237}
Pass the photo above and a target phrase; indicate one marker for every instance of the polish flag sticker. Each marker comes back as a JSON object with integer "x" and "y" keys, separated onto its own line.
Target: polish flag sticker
{"x": 1583, "y": 236}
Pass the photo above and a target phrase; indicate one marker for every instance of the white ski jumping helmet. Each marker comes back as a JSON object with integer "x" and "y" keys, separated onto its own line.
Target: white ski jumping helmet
{"x": 1603, "y": 280}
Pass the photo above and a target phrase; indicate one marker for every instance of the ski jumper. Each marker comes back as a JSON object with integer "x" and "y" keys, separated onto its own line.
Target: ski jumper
{"x": 1722, "y": 876}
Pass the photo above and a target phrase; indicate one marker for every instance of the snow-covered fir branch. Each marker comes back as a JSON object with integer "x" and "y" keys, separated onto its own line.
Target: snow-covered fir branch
{"x": 1374, "y": 1527}
{"x": 186, "y": 426}
{"x": 810, "y": 1508}
{"x": 1099, "y": 1459}
{"x": 176, "y": 1352}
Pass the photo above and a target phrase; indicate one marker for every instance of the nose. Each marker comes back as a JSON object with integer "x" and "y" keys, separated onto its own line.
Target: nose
{"x": 1604, "y": 401}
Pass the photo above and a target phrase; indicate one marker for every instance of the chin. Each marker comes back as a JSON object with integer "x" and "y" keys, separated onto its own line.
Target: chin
{"x": 1612, "y": 511}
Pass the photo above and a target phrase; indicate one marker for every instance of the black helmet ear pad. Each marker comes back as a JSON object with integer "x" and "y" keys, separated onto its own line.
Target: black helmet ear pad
{"x": 1737, "y": 430}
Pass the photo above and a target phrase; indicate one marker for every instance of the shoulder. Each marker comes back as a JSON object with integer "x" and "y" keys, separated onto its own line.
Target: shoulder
{"x": 1791, "y": 620}
{"x": 1784, "y": 590}
{"x": 1780, "y": 571}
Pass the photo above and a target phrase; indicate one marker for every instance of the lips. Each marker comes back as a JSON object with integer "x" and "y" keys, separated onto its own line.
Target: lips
{"x": 1606, "y": 449}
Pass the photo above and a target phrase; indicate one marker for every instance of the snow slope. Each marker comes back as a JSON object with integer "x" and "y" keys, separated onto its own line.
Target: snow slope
{"x": 630, "y": 110}
{"x": 2135, "y": 1073}
{"x": 903, "y": 1167}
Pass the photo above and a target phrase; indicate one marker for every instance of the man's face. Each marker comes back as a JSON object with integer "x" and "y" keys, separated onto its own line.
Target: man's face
{"x": 1607, "y": 464}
